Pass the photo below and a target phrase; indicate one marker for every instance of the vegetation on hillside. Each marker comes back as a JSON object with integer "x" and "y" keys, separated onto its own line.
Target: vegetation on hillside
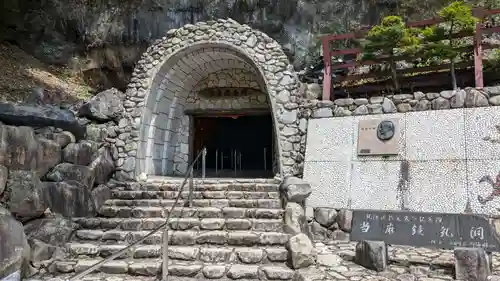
{"x": 22, "y": 72}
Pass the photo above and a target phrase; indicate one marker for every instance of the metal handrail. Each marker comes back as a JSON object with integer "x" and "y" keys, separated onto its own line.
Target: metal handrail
{"x": 189, "y": 173}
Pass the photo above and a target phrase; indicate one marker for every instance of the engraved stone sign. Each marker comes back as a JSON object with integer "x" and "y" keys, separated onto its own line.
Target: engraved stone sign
{"x": 378, "y": 136}
{"x": 445, "y": 231}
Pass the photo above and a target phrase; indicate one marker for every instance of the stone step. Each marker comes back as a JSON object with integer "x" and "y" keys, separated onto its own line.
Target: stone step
{"x": 219, "y": 203}
{"x": 186, "y": 238}
{"x": 198, "y": 270}
{"x": 218, "y": 254}
{"x": 171, "y": 195}
{"x": 182, "y": 224}
{"x": 99, "y": 276}
{"x": 176, "y": 186}
{"x": 160, "y": 179}
{"x": 204, "y": 212}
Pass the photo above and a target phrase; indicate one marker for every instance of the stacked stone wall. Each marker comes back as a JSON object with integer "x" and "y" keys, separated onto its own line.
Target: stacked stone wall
{"x": 402, "y": 103}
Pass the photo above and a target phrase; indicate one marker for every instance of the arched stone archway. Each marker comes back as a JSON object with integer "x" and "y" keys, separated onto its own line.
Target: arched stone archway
{"x": 170, "y": 76}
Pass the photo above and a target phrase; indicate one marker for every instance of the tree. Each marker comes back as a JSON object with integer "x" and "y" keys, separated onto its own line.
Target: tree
{"x": 442, "y": 42}
{"x": 389, "y": 39}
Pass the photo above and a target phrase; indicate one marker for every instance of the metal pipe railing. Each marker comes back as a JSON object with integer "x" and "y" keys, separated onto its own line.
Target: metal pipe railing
{"x": 189, "y": 174}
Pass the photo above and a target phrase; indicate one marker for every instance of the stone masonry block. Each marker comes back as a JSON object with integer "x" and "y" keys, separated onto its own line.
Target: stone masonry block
{"x": 472, "y": 264}
{"x": 372, "y": 255}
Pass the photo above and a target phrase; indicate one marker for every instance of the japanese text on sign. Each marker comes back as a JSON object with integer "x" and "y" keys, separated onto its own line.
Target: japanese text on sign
{"x": 425, "y": 229}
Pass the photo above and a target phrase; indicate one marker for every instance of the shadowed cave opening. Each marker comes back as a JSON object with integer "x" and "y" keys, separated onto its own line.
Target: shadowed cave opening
{"x": 238, "y": 145}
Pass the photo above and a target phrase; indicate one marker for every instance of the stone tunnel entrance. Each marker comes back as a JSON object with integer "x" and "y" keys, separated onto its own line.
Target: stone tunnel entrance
{"x": 219, "y": 85}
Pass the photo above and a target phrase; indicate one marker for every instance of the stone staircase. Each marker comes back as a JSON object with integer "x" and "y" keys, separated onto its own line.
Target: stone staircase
{"x": 234, "y": 230}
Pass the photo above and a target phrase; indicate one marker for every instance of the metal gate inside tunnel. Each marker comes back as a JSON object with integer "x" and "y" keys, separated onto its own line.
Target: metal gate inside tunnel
{"x": 238, "y": 145}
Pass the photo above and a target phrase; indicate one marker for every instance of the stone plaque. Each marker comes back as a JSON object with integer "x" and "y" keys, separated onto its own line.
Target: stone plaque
{"x": 445, "y": 231}
{"x": 378, "y": 137}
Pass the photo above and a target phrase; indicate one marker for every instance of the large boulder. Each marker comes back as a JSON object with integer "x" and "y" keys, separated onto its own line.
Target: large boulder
{"x": 23, "y": 195}
{"x": 295, "y": 219}
{"x": 14, "y": 248}
{"x": 372, "y": 255}
{"x": 99, "y": 195}
{"x": 62, "y": 138}
{"x": 40, "y": 252}
{"x": 99, "y": 132}
{"x": 104, "y": 106}
{"x": 41, "y": 116}
{"x": 70, "y": 199}
{"x": 71, "y": 172}
{"x": 301, "y": 251}
{"x": 54, "y": 231}
{"x": 4, "y": 173}
{"x": 79, "y": 153}
{"x": 325, "y": 216}
{"x": 295, "y": 189}
{"x": 21, "y": 149}
{"x": 103, "y": 165}
{"x": 472, "y": 264}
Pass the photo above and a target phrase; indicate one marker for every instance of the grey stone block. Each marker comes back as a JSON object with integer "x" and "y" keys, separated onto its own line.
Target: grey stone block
{"x": 472, "y": 264}
{"x": 372, "y": 255}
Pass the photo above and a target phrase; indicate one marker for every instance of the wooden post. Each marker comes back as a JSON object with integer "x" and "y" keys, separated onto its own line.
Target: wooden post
{"x": 327, "y": 73}
{"x": 478, "y": 53}
{"x": 164, "y": 268}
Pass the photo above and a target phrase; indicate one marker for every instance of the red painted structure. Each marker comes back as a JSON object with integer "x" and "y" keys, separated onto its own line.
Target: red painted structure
{"x": 328, "y": 54}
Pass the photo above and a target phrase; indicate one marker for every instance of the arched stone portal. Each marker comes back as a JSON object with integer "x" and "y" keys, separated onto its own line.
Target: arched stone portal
{"x": 178, "y": 76}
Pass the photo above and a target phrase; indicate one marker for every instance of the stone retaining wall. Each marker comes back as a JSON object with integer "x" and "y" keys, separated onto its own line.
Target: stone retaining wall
{"x": 326, "y": 224}
{"x": 418, "y": 101}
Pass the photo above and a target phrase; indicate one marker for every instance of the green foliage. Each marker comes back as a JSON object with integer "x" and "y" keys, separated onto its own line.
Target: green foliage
{"x": 492, "y": 62}
{"x": 389, "y": 39}
{"x": 439, "y": 42}
{"x": 439, "y": 39}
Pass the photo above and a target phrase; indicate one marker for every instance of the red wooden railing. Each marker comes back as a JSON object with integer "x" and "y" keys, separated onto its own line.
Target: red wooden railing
{"x": 481, "y": 30}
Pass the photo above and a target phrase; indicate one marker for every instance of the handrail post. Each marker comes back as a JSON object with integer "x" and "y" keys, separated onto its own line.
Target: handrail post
{"x": 191, "y": 187}
{"x": 164, "y": 268}
{"x": 203, "y": 162}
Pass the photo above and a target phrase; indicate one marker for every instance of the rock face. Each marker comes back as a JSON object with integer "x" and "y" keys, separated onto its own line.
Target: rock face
{"x": 21, "y": 149}
{"x": 70, "y": 172}
{"x": 14, "y": 248}
{"x": 68, "y": 198}
{"x": 298, "y": 22}
{"x": 4, "y": 173}
{"x": 80, "y": 172}
{"x": 40, "y": 116}
{"x": 103, "y": 165}
{"x": 23, "y": 195}
{"x": 54, "y": 231}
{"x": 78, "y": 153}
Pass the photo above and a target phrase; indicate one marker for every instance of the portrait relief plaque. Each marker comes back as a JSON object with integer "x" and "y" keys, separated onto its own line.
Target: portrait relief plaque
{"x": 385, "y": 130}
{"x": 378, "y": 136}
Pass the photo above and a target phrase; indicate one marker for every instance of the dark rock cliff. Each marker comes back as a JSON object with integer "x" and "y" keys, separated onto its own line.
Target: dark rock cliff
{"x": 111, "y": 34}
